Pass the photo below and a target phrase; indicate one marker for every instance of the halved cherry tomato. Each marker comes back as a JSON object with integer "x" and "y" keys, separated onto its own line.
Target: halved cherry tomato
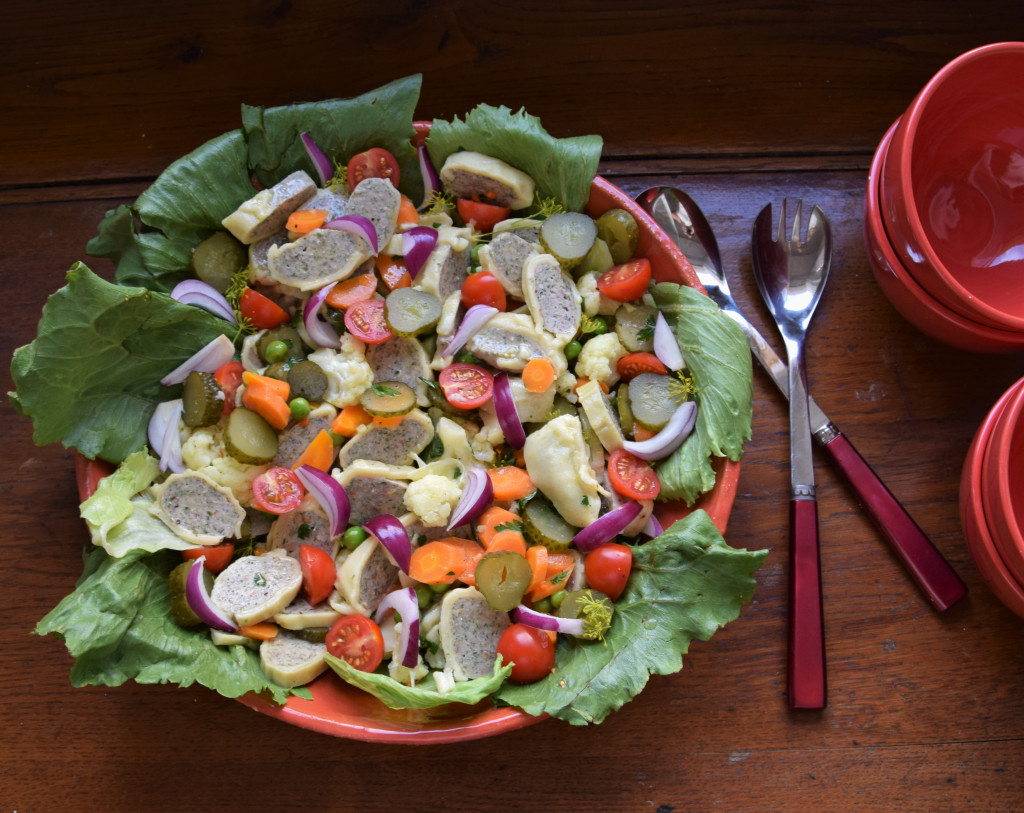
{"x": 354, "y": 289}
{"x": 633, "y": 364}
{"x": 483, "y": 216}
{"x": 393, "y": 271}
{"x": 229, "y": 376}
{"x": 356, "y": 640}
{"x": 217, "y": 556}
{"x": 365, "y": 320}
{"x": 483, "y": 288}
{"x": 88, "y": 474}
{"x": 626, "y": 282}
{"x": 530, "y": 649}
{"x": 263, "y": 313}
{"x": 318, "y": 573}
{"x": 376, "y": 162}
{"x": 607, "y": 568}
{"x": 632, "y": 477}
{"x": 277, "y": 491}
{"x": 466, "y": 386}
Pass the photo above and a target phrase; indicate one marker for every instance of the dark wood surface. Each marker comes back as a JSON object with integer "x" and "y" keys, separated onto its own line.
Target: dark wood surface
{"x": 739, "y": 104}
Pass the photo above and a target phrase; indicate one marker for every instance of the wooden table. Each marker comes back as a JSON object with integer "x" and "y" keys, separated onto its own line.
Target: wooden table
{"x": 739, "y": 104}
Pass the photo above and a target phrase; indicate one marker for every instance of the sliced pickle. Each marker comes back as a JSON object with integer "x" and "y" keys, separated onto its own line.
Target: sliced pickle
{"x": 306, "y": 379}
{"x": 248, "y": 438}
{"x": 203, "y": 399}
{"x": 634, "y": 325}
{"x": 410, "y": 312}
{"x": 284, "y": 333}
{"x": 543, "y": 525}
{"x": 503, "y": 577}
{"x": 652, "y": 400}
{"x": 388, "y": 399}
{"x": 598, "y": 260}
{"x": 569, "y": 236}
{"x": 315, "y": 635}
{"x": 181, "y": 612}
{"x": 626, "y": 419}
{"x": 619, "y": 229}
{"x": 217, "y": 258}
{"x": 278, "y": 370}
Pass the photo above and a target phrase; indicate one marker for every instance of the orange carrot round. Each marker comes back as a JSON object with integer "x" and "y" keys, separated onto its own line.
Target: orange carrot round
{"x": 538, "y": 375}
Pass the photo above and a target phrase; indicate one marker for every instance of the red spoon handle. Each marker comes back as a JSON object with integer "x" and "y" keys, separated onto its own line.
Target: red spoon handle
{"x": 919, "y": 556}
{"x": 806, "y": 627}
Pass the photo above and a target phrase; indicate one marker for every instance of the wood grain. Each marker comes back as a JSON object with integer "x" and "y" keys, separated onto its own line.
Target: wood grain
{"x": 737, "y": 104}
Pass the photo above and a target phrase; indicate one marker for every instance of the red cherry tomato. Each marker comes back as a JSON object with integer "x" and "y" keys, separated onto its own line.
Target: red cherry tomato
{"x": 374, "y": 163}
{"x": 632, "y": 477}
{"x": 483, "y": 288}
{"x": 88, "y": 474}
{"x": 633, "y": 364}
{"x": 466, "y": 386}
{"x": 366, "y": 321}
{"x": 482, "y": 216}
{"x": 277, "y": 491}
{"x": 607, "y": 568}
{"x": 626, "y": 282}
{"x": 263, "y": 313}
{"x": 217, "y": 556}
{"x": 530, "y": 649}
{"x": 318, "y": 573}
{"x": 229, "y": 376}
{"x": 356, "y": 640}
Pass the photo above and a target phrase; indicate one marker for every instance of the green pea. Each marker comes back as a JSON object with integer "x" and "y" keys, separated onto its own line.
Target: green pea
{"x": 424, "y": 596}
{"x": 467, "y": 358}
{"x": 276, "y": 351}
{"x": 599, "y": 326}
{"x": 557, "y": 598}
{"x": 542, "y": 606}
{"x": 474, "y": 254}
{"x": 572, "y": 349}
{"x": 439, "y": 588}
{"x": 299, "y": 407}
{"x": 353, "y": 537}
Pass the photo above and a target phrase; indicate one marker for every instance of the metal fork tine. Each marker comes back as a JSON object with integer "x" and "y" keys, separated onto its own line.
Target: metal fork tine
{"x": 795, "y": 236}
{"x": 782, "y": 224}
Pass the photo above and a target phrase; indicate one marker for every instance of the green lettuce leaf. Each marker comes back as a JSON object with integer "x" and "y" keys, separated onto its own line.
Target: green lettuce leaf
{"x": 397, "y": 695}
{"x": 91, "y": 378}
{"x": 117, "y": 625}
{"x": 684, "y": 585}
{"x": 563, "y": 168}
{"x": 718, "y": 357}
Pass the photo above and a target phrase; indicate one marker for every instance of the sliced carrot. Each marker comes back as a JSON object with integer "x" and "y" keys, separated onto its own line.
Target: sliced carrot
{"x": 407, "y": 212}
{"x": 263, "y": 631}
{"x": 393, "y": 271}
{"x": 537, "y": 556}
{"x": 349, "y": 420}
{"x": 511, "y": 483}
{"x": 581, "y": 381}
{"x": 538, "y": 375}
{"x": 445, "y": 560}
{"x": 277, "y": 386}
{"x": 559, "y": 568}
{"x": 640, "y": 433}
{"x": 303, "y": 221}
{"x": 388, "y": 423}
{"x": 267, "y": 397}
{"x": 352, "y": 290}
{"x": 494, "y": 518}
{"x": 508, "y": 540}
{"x": 319, "y": 453}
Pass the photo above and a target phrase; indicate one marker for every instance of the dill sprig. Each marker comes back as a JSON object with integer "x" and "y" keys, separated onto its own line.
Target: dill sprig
{"x": 682, "y": 386}
{"x": 339, "y": 181}
{"x": 239, "y": 282}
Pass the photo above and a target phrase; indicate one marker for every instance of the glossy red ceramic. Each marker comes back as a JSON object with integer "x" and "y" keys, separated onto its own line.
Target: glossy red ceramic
{"x": 913, "y": 302}
{"x": 1003, "y": 483}
{"x": 343, "y": 711}
{"x": 952, "y": 187}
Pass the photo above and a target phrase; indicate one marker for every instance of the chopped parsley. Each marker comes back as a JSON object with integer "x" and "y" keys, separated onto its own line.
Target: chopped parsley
{"x": 561, "y": 577}
{"x": 385, "y": 391}
{"x": 259, "y": 580}
{"x": 511, "y": 525}
{"x": 585, "y": 500}
{"x": 646, "y": 333}
{"x": 304, "y": 530}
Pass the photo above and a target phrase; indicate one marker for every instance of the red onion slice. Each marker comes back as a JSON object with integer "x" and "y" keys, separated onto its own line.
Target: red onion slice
{"x": 329, "y": 493}
{"x": 475, "y": 318}
{"x": 208, "y": 360}
{"x": 542, "y": 621}
{"x": 666, "y": 348}
{"x": 508, "y": 415}
{"x": 162, "y": 432}
{"x": 321, "y": 164}
{"x": 652, "y": 527}
{"x": 319, "y": 329}
{"x": 203, "y": 295}
{"x": 417, "y": 243}
{"x": 403, "y": 602}
{"x": 608, "y": 526}
{"x": 668, "y": 439}
{"x": 391, "y": 533}
{"x": 198, "y": 598}
{"x": 431, "y": 180}
{"x": 358, "y": 225}
{"x": 477, "y": 494}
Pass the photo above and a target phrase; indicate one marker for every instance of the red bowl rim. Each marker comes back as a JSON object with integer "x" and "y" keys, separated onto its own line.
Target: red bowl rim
{"x": 997, "y": 499}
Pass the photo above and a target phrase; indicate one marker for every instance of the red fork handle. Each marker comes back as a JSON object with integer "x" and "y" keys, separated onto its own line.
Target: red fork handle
{"x": 806, "y": 626}
{"x": 919, "y": 556}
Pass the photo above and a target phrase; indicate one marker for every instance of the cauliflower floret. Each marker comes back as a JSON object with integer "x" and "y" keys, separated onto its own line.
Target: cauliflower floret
{"x": 203, "y": 452}
{"x": 594, "y": 302}
{"x": 598, "y": 358}
{"x": 348, "y": 374}
{"x": 489, "y": 436}
{"x": 565, "y": 384}
{"x": 432, "y": 499}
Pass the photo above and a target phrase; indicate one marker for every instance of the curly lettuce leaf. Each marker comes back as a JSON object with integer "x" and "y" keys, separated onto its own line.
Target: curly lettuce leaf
{"x": 685, "y": 584}
{"x": 117, "y": 625}
{"x": 562, "y": 168}
{"x": 397, "y": 695}
{"x": 91, "y": 378}
{"x": 717, "y": 356}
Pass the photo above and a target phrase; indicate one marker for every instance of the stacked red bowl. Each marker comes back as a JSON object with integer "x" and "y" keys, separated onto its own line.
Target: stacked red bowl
{"x": 944, "y": 209}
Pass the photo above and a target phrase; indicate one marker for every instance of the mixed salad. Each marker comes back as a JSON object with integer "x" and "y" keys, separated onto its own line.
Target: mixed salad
{"x": 389, "y": 403}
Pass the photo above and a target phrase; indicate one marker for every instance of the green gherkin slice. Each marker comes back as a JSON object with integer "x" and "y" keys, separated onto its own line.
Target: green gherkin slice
{"x": 203, "y": 399}
{"x": 306, "y": 379}
{"x": 503, "y": 577}
{"x": 619, "y": 229}
{"x": 388, "y": 399}
{"x": 568, "y": 236}
{"x": 181, "y": 612}
{"x": 543, "y": 525}
{"x": 653, "y": 400}
{"x": 248, "y": 438}
{"x": 410, "y": 312}
{"x": 217, "y": 259}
